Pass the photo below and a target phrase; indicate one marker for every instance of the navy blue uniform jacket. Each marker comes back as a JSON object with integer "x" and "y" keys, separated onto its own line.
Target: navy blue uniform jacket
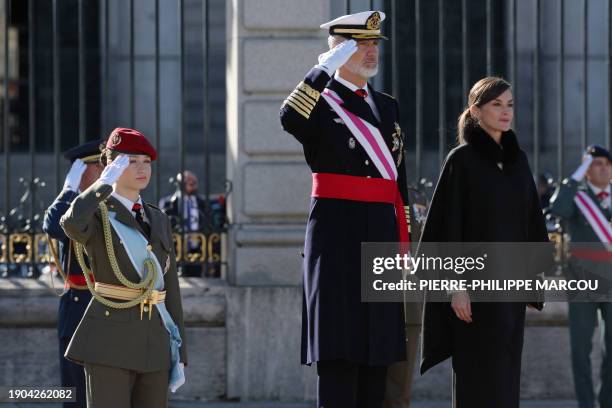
{"x": 73, "y": 302}
{"x": 336, "y": 325}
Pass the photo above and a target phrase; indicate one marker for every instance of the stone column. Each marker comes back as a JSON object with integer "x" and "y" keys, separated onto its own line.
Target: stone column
{"x": 271, "y": 45}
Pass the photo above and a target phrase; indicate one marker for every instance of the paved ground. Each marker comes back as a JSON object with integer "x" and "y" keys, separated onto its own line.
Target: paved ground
{"x": 416, "y": 404}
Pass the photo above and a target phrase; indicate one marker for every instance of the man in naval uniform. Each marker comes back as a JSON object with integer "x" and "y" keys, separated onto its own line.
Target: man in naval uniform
{"x": 353, "y": 145}
{"x": 85, "y": 169}
{"x": 583, "y": 202}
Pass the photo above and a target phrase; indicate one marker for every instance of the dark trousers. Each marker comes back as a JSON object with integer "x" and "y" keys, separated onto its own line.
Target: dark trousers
{"x": 72, "y": 375}
{"x": 191, "y": 270}
{"x": 119, "y": 388}
{"x": 582, "y": 322}
{"x": 342, "y": 384}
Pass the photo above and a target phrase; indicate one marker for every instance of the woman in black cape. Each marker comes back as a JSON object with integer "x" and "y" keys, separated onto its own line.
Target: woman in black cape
{"x": 486, "y": 193}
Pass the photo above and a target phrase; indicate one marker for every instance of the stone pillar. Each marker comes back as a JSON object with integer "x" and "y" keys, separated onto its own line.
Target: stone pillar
{"x": 271, "y": 45}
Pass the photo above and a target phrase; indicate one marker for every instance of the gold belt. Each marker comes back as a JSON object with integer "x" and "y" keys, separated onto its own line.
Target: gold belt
{"x": 125, "y": 293}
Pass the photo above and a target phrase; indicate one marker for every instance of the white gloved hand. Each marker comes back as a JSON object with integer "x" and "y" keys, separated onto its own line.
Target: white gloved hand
{"x": 114, "y": 169}
{"x": 333, "y": 59}
{"x": 583, "y": 168}
{"x": 73, "y": 178}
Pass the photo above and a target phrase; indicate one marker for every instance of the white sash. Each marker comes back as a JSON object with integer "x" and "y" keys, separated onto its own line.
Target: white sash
{"x": 368, "y": 136}
{"x": 595, "y": 217}
{"x": 135, "y": 245}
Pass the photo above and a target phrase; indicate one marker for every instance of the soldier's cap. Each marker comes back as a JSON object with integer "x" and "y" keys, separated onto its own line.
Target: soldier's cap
{"x": 130, "y": 141}
{"x": 88, "y": 152}
{"x": 599, "y": 151}
{"x": 359, "y": 26}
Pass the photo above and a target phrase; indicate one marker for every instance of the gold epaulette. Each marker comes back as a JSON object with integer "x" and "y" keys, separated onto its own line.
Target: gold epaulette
{"x": 303, "y": 99}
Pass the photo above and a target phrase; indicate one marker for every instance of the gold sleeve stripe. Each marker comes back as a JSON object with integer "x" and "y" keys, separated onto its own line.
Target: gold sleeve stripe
{"x": 305, "y": 101}
{"x": 297, "y": 108}
{"x": 304, "y": 107}
{"x": 308, "y": 90}
{"x": 305, "y": 95}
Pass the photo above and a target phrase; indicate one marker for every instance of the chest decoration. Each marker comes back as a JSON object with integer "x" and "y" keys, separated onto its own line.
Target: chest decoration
{"x": 167, "y": 266}
{"x": 398, "y": 143}
{"x": 351, "y": 143}
{"x": 367, "y": 135}
{"x": 595, "y": 218}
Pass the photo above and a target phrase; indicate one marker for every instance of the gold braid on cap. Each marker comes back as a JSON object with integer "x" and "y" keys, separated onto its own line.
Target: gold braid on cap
{"x": 373, "y": 22}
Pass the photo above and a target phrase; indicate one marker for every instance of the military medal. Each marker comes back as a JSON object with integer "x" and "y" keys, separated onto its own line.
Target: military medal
{"x": 398, "y": 143}
{"x": 397, "y": 138}
{"x": 351, "y": 143}
{"x": 167, "y": 266}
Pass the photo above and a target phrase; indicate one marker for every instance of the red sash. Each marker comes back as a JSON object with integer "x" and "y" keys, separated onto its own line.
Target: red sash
{"x": 354, "y": 188}
{"x": 77, "y": 280}
{"x": 592, "y": 254}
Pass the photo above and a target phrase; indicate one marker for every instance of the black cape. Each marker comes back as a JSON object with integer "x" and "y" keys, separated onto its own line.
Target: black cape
{"x": 476, "y": 201}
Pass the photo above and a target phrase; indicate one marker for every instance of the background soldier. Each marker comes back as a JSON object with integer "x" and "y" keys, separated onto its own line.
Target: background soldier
{"x": 86, "y": 169}
{"x": 354, "y": 146}
{"x": 586, "y": 213}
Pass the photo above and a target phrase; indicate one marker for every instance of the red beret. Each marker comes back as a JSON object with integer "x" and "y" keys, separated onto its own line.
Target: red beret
{"x": 130, "y": 141}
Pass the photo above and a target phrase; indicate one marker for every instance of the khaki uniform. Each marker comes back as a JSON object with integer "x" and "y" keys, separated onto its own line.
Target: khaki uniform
{"x": 116, "y": 344}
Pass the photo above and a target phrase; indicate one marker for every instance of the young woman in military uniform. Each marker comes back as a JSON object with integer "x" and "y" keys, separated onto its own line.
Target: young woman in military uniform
{"x": 131, "y": 338}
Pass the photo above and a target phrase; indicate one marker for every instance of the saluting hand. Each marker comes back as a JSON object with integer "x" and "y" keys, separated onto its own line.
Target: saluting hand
{"x": 333, "y": 59}
{"x": 462, "y": 306}
{"x": 583, "y": 168}
{"x": 73, "y": 178}
{"x": 114, "y": 169}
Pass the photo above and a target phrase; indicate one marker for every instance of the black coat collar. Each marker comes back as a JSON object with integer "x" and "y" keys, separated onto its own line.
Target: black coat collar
{"x": 484, "y": 144}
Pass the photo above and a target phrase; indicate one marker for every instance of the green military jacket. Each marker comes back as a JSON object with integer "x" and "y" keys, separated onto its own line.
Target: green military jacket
{"x": 562, "y": 204}
{"x": 576, "y": 225}
{"x": 119, "y": 337}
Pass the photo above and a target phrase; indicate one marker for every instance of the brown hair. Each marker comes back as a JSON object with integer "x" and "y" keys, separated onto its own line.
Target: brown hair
{"x": 483, "y": 92}
{"x": 107, "y": 154}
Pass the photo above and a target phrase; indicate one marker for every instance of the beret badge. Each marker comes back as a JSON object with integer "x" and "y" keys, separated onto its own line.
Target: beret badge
{"x": 115, "y": 139}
